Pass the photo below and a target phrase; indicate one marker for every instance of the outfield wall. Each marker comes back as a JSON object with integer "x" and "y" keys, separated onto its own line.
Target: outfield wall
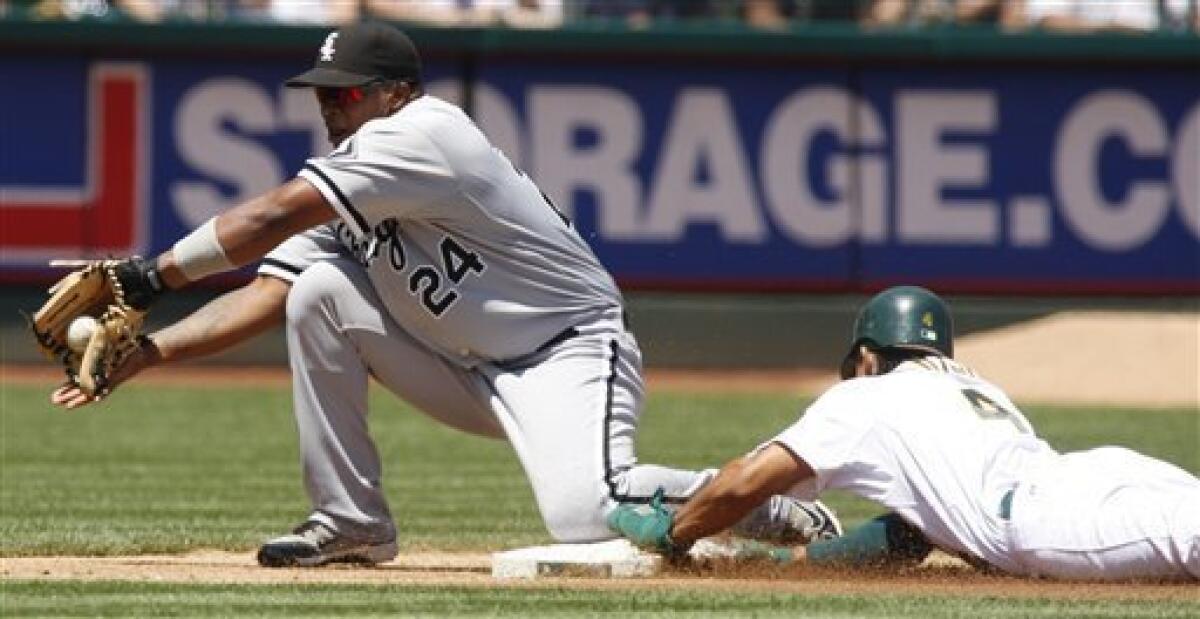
{"x": 692, "y": 159}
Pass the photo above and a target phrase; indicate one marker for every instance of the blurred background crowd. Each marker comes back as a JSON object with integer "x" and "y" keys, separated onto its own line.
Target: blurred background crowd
{"x": 1131, "y": 16}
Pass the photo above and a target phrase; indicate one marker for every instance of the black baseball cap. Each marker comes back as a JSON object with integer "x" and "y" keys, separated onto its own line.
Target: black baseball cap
{"x": 359, "y": 53}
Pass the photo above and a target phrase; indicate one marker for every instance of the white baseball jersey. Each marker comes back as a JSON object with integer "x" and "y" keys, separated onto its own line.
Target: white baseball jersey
{"x": 948, "y": 452}
{"x": 465, "y": 252}
{"x": 937, "y": 445}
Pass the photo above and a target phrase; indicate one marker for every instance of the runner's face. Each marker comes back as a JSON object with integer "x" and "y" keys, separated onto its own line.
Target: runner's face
{"x": 866, "y": 363}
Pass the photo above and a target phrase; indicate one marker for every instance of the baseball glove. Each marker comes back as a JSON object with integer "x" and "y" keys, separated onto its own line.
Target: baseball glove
{"x": 117, "y": 294}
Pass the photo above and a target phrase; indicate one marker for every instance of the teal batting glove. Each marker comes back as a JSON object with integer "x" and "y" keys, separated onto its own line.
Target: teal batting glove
{"x": 647, "y": 526}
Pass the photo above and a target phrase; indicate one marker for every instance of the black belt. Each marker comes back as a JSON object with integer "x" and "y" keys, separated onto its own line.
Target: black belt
{"x": 569, "y": 333}
{"x": 563, "y": 336}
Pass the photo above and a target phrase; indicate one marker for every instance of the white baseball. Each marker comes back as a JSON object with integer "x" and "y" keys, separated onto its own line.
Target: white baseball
{"x": 79, "y": 332}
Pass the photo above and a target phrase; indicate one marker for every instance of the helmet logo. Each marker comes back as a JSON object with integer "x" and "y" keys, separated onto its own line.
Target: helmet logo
{"x": 928, "y": 333}
{"x": 327, "y": 49}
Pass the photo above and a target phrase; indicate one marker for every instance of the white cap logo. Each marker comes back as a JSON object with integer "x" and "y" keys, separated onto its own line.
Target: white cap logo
{"x": 327, "y": 48}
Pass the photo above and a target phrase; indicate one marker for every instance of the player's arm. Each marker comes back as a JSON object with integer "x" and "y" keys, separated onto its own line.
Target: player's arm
{"x": 227, "y": 320}
{"x": 746, "y": 482}
{"x": 244, "y": 233}
{"x": 741, "y": 485}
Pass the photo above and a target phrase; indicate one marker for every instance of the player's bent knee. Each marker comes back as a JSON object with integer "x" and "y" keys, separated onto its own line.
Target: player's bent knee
{"x": 573, "y": 525}
{"x": 313, "y": 289}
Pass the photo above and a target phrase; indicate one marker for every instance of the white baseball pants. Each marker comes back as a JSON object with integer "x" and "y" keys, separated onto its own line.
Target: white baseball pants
{"x": 1108, "y": 513}
{"x": 570, "y": 411}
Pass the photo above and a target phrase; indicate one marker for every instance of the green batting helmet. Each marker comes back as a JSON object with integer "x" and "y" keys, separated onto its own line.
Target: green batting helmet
{"x": 906, "y": 317}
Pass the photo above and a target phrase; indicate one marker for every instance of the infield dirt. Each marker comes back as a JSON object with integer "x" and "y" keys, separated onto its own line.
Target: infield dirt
{"x": 472, "y": 570}
{"x": 1133, "y": 359}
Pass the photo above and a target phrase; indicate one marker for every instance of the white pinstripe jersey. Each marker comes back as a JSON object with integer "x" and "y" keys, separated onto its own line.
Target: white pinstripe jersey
{"x": 464, "y": 250}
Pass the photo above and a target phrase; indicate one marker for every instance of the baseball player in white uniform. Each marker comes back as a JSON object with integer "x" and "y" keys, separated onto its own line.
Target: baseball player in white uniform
{"x": 956, "y": 464}
{"x": 418, "y": 254}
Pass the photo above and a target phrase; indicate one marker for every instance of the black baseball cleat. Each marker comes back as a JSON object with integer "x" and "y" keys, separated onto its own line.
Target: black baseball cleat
{"x": 313, "y": 544}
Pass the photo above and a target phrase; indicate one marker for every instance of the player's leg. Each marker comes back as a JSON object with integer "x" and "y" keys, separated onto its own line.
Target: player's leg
{"x": 337, "y": 336}
{"x": 571, "y": 414}
{"x": 1109, "y": 513}
{"x": 338, "y": 458}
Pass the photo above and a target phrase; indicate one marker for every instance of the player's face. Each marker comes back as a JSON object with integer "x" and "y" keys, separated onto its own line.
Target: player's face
{"x": 861, "y": 362}
{"x": 344, "y": 110}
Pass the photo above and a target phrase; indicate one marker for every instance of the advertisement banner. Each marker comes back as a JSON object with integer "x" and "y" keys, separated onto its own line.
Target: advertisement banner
{"x": 785, "y": 179}
{"x": 682, "y": 177}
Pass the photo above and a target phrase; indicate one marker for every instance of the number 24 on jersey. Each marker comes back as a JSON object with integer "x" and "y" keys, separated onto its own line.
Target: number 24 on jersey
{"x": 427, "y": 282}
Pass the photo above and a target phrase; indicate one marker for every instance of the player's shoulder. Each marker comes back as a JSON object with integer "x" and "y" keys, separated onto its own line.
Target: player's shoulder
{"x": 848, "y": 406}
{"x": 845, "y": 395}
{"x": 859, "y": 393}
{"x": 427, "y": 123}
{"x": 938, "y": 375}
{"x": 425, "y": 113}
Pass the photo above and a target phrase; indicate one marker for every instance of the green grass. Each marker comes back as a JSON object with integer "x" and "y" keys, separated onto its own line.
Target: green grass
{"x": 112, "y": 599}
{"x": 161, "y": 469}
{"x": 169, "y": 469}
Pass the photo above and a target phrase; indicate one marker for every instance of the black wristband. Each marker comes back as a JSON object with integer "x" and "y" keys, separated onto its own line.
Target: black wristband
{"x": 673, "y": 550}
{"x": 140, "y": 282}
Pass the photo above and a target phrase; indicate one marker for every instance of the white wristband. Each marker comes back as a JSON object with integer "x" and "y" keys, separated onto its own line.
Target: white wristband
{"x": 200, "y": 254}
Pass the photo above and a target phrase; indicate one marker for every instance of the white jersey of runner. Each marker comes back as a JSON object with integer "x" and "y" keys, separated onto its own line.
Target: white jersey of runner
{"x": 938, "y": 448}
{"x": 953, "y": 456}
{"x": 465, "y": 252}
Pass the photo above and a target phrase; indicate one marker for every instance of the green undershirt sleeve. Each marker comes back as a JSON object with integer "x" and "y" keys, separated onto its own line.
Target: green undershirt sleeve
{"x": 885, "y": 540}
